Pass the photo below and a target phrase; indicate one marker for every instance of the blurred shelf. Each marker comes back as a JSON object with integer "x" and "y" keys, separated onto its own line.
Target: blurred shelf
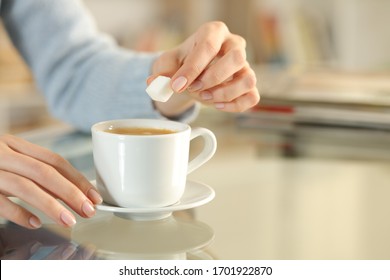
{"x": 322, "y": 112}
{"x": 323, "y": 85}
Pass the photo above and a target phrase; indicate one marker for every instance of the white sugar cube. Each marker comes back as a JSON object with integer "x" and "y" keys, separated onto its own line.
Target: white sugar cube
{"x": 160, "y": 89}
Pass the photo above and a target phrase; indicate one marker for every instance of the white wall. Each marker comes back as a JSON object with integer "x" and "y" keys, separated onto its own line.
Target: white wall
{"x": 362, "y": 36}
{"x": 123, "y": 17}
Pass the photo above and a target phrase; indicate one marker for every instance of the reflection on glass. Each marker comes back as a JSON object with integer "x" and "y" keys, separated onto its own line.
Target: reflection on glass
{"x": 119, "y": 238}
{"x": 19, "y": 243}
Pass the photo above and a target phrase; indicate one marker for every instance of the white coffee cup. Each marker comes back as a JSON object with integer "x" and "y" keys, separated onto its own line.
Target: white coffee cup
{"x": 146, "y": 170}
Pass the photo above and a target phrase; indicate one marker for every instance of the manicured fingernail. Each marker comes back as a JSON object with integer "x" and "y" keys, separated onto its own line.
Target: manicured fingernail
{"x": 206, "y": 95}
{"x": 88, "y": 209}
{"x": 219, "y": 105}
{"x": 69, "y": 251}
{"x": 67, "y": 218}
{"x": 34, "y": 248}
{"x": 179, "y": 83}
{"x": 195, "y": 86}
{"x": 94, "y": 196}
{"x": 35, "y": 222}
{"x": 88, "y": 251}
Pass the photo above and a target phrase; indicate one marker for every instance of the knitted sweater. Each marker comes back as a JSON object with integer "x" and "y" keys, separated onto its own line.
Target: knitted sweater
{"x": 84, "y": 75}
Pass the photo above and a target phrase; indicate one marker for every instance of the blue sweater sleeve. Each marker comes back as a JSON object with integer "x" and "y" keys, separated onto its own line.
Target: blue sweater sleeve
{"x": 84, "y": 75}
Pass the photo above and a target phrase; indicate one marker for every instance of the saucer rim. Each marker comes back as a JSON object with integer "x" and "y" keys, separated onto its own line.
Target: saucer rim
{"x": 209, "y": 195}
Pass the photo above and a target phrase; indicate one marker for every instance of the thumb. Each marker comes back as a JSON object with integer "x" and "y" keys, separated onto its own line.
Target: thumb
{"x": 165, "y": 65}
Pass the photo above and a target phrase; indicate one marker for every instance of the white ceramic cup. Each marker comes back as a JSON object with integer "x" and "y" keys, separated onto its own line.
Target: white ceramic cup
{"x": 146, "y": 170}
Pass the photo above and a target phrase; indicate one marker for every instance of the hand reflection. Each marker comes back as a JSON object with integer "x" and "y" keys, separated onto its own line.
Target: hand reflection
{"x": 22, "y": 252}
{"x": 37, "y": 251}
{"x": 18, "y": 243}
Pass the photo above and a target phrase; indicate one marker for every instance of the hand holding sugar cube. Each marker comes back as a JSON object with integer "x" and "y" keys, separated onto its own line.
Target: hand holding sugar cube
{"x": 160, "y": 89}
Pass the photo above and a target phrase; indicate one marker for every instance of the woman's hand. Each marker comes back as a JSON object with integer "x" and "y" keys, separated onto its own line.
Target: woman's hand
{"x": 210, "y": 67}
{"x": 41, "y": 178}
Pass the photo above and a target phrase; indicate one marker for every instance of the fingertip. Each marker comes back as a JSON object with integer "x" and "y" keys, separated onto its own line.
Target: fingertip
{"x": 150, "y": 79}
{"x": 67, "y": 219}
{"x": 94, "y": 196}
{"x": 219, "y": 105}
{"x": 69, "y": 251}
{"x": 88, "y": 251}
{"x": 34, "y": 222}
{"x": 179, "y": 83}
{"x": 35, "y": 247}
{"x": 88, "y": 209}
{"x": 195, "y": 86}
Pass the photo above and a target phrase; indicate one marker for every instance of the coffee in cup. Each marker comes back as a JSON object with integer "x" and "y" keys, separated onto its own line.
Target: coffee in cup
{"x": 145, "y": 162}
{"x": 139, "y": 130}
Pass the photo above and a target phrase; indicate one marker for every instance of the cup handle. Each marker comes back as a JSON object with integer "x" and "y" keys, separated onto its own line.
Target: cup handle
{"x": 209, "y": 148}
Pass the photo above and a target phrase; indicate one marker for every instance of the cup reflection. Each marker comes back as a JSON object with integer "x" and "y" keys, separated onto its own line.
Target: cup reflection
{"x": 118, "y": 238}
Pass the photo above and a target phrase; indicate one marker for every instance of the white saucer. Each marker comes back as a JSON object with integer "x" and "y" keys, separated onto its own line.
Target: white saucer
{"x": 195, "y": 195}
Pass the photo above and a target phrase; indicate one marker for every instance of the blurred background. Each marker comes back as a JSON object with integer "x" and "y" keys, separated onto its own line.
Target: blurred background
{"x": 313, "y": 156}
{"x": 317, "y": 61}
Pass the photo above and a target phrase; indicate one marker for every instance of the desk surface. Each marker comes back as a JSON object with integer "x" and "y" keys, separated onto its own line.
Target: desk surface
{"x": 269, "y": 204}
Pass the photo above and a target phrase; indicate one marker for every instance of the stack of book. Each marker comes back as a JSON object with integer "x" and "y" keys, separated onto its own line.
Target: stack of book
{"x": 320, "y": 98}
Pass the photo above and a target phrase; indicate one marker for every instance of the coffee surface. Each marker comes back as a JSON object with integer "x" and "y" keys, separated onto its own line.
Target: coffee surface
{"x": 139, "y": 131}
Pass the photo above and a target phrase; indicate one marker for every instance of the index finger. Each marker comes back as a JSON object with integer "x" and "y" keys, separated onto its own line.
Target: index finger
{"x": 60, "y": 164}
{"x": 203, "y": 48}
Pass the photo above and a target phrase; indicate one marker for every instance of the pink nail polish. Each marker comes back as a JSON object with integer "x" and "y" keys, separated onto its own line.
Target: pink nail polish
{"x": 67, "y": 218}
{"x": 88, "y": 209}
{"x": 206, "y": 95}
{"x": 94, "y": 196}
{"x": 219, "y": 105}
{"x": 35, "y": 222}
{"x": 35, "y": 247}
{"x": 195, "y": 86}
{"x": 179, "y": 83}
{"x": 69, "y": 251}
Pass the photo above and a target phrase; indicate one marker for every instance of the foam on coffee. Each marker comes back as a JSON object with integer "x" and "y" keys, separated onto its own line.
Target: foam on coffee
{"x": 139, "y": 130}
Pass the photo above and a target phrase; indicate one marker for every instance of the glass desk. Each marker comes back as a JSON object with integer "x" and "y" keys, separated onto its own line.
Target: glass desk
{"x": 326, "y": 202}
